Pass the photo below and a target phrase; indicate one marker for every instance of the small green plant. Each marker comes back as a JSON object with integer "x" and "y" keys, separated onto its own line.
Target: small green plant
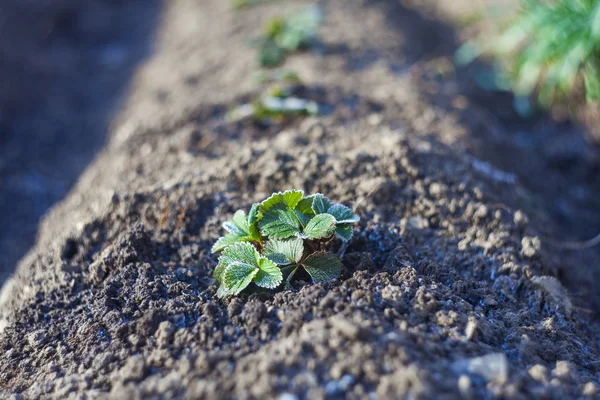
{"x": 248, "y": 3}
{"x": 276, "y": 102}
{"x": 284, "y": 35}
{"x": 552, "y": 46}
{"x": 285, "y": 233}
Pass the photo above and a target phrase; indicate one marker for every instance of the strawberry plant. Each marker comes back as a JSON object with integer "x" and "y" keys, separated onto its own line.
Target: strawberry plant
{"x": 277, "y": 102}
{"x": 286, "y": 233}
{"x": 283, "y": 35}
{"x": 247, "y": 3}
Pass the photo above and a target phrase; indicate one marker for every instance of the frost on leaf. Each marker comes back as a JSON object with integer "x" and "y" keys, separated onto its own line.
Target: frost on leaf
{"x": 289, "y": 198}
{"x": 269, "y": 275}
{"x": 342, "y": 214}
{"x": 284, "y": 252}
{"x": 320, "y": 204}
{"x": 292, "y": 197}
{"x": 320, "y": 226}
{"x": 278, "y": 236}
{"x": 237, "y": 276}
{"x": 225, "y": 241}
{"x": 240, "y": 230}
{"x": 279, "y": 222}
{"x": 242, "y": 252}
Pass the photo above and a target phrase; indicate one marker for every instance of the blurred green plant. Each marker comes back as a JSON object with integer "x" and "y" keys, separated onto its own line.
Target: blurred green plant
{"x": 551, "y": 50}
{"x": 283, "y": 35}
{"x": 277, "y": 101}
{"x": 283, "y": 234}
{"x": 248, "y": 3}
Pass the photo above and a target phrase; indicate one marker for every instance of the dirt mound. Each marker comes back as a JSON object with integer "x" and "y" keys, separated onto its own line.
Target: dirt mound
{"x": 437, "y": 275}
{"x": 448, "y": 289}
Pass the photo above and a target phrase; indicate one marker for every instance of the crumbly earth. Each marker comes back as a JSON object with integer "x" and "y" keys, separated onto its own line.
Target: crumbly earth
{"x": 450, "y": 287}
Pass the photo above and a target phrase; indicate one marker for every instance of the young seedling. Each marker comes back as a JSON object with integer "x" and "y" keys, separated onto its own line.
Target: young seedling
{"x": 248, "y": 3}
{"x": 276, "y": 102}
{"x": 283, "y": 234}
{"x": 284, "y": 35}
{"x": 552, "y": 46}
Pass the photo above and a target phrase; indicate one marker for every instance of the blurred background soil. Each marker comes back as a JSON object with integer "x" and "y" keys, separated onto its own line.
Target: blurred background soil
{"x": 66, "y": 66}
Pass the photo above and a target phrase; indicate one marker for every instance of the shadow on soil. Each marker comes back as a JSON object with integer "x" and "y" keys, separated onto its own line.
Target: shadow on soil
{"x": 65, "y": 68}
{"x": 553, "y": 160}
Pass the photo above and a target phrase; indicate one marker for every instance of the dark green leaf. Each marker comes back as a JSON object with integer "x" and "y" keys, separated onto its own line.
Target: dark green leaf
{"x": 289, "y": 273}
{"x": 320, "y": 204}
{"x": 320, "y": 226}
{"x": 344, "y": 231}
{"x": 303, "y": 218}
{"x": 279, "y": 222}
{"x": 322, "y": 267}
{"x": 271, "y": 54}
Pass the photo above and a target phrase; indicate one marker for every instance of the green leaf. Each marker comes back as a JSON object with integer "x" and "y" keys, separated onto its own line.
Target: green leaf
{"x": 292, "y": 197}
{"x": 222, "y": 292}
{"x": 240, "y": 230}
{"x": 225, "y": 241}
{"x": 218, "y": 272}
{"x": 284, "y": 252}
{"x": 272, "y": 200}
{"x": 240, "y": 252}
{"x": 271, "y": 54}
{"x": 279, "y": 222}
{"x": 344, "y": 231}
{"x": 241, "y": 222}
{"x": 237, "y": 276}
{"x": 269, "y": 276}
{"x": 303, "y": 218}
{"x": 322, "y": 267}
{"x": 304, "y": 206}
{"x": 254, "y": 233}
{"x": 238, "y": 224}
{"x": 592, "y": 79}
{"x": 290, "y": 39}
{"x": 289, "y": 273}
{"x": 320, "y": 204}
{"x": 342, "y": 214}
{"x": 320, "y": 226}
{"x": 253, "y": 214}
{"x": 289, "y": 197}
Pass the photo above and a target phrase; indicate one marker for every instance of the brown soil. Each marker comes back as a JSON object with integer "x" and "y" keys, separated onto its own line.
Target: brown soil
{"x": 456, "y": 256}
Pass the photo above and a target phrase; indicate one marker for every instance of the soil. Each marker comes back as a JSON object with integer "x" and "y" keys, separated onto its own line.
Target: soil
{"x": 455, "y": 285}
